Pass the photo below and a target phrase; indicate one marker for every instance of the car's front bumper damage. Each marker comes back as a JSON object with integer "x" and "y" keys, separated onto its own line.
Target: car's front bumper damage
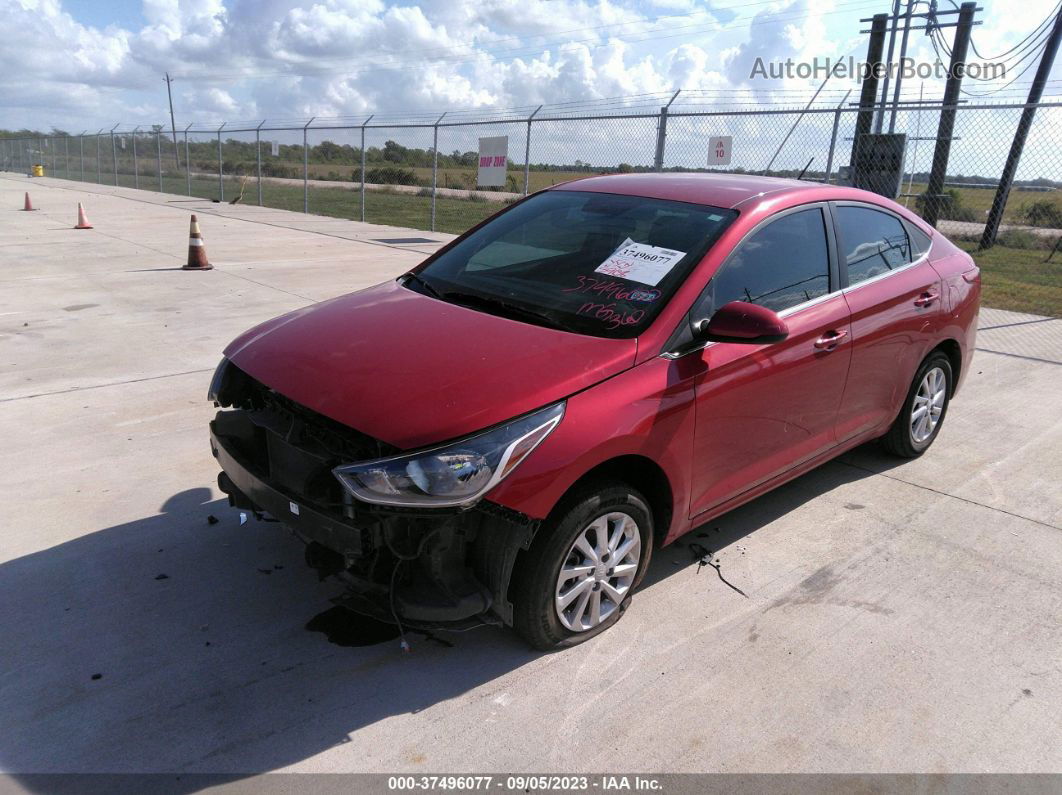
{"x": 426, "y": 568}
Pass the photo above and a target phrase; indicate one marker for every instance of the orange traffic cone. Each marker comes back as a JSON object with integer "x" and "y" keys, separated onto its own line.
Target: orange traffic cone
{"x": 28, "y": 205}
{"x": 82, "y": 221}
{"x": 197, "y": 258}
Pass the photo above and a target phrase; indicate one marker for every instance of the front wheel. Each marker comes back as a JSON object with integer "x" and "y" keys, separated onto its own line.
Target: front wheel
{"x": 923, "y": 411}
{"x": 578, "y": 577}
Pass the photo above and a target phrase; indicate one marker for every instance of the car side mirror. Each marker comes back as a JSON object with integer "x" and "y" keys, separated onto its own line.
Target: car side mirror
{"x": 742, "y": 322}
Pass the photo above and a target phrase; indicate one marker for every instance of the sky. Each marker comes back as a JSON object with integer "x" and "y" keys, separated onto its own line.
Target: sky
{"x": 87, "y": 64}
{"x": 90, "y": 63}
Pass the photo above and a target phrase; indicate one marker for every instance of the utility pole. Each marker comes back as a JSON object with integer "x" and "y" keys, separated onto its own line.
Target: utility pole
{"x": 899, "y": 69}
{"x": 888, "y": 60}
{"x": 946, "y": 128}
{"x": 173, "y": 124}
{"x": 868, "y": 95}
{"x": 1047, "y": 60}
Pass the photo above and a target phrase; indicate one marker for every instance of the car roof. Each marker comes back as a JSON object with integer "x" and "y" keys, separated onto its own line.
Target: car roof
{"x": 718, "y": 190}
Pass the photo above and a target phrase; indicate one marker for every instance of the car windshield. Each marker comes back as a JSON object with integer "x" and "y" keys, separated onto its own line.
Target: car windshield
{"x": 593, "y": 263}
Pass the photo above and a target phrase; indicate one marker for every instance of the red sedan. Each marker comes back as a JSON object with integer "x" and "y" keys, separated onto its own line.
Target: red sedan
{"x": 503, "y": 434}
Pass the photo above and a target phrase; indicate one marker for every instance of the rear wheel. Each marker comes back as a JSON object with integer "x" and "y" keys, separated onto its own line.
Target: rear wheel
{"x": 923, "y": 411}
{"x": 578, "y": 577}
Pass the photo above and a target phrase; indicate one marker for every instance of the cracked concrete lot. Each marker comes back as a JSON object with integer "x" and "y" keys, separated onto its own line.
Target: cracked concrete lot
{"x": 899, "y": 616}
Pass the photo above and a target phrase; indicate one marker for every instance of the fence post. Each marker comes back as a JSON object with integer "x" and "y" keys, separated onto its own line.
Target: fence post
{"x": 136, "y": 164}
{"x": 833, "y": 136}
{"x": 158, "y": 149}
{"x": 221, "y": 168}
{"x": 187, "y": 162}
{"x": 435, "y": 169}
{"x": 114, "y": 154}
{"x": 258, "y": 158}
{"x": 306, "y": 168}
{"x": 99, "y": 164}
{"x": 66, "y": 156}
{"x": 81, "y": 147}
{"x": 661, "y": 135}
{"x": 363, "y": 165}
{"x": 1006, "y": 179}
{"x": 527, "y": 151}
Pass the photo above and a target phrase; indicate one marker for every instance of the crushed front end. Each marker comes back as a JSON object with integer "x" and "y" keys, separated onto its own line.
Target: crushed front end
{"x": 425, "y": 566}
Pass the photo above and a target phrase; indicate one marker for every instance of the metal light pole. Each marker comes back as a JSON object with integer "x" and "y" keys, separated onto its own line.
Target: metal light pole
{"x": 173, "y": 124}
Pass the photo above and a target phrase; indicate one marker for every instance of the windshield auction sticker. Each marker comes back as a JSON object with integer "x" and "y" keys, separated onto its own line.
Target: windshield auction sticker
{"x": 640, "y": 262}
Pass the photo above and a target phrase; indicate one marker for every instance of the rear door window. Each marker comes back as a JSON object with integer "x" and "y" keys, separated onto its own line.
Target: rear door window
{"x": 872, "y": 242}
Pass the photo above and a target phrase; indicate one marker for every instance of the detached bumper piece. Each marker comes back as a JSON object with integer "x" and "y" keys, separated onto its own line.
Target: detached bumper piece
{"x": 431, "y": 568}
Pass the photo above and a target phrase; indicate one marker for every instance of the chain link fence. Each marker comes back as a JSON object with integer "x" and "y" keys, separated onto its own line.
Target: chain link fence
{"x": 420, "y": 171}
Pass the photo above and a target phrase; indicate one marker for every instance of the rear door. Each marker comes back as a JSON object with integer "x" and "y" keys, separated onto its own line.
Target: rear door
{"x": 894, "y": 295}
{"x": 763, "y": 409}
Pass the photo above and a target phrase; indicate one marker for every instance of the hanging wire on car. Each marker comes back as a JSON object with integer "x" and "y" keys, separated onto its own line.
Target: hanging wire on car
{"x": 403, "y": 643}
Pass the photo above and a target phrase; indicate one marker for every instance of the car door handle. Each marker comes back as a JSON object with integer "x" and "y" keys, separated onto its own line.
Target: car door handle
{"x": 926, "y": 299}
{"x": 830, "y": 340}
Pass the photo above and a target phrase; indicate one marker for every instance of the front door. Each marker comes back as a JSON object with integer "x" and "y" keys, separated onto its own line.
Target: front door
{"x": 763, "y": 409}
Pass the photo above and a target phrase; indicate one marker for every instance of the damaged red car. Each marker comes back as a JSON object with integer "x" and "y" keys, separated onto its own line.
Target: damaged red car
{"x": 506, "y": 432}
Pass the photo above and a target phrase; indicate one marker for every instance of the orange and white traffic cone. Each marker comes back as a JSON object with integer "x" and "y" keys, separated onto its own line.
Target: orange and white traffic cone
{"x": 197, "y": 258}
{"x": 82, "y": 221}
{"x": 28, "y": 205}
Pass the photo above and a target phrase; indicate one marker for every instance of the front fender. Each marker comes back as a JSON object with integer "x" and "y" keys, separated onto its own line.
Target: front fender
{"x": 644, "y": 411}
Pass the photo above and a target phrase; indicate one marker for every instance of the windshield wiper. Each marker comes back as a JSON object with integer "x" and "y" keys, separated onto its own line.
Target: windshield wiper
{"x": 428, "y": 286}
{"x": 507, "y": 309}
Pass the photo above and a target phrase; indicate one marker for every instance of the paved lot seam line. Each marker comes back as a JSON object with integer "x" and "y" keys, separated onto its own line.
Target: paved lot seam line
{"x": 945, "y": 494}
{"x": 102, "y": 386}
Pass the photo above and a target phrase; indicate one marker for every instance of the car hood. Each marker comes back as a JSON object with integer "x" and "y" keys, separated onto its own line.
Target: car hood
{"x": 411, "y": 370}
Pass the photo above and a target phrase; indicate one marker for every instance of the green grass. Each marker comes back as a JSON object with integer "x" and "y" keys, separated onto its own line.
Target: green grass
{"x": 1018, "y": 279}
{"x": 979, "y": 201}
{"x": 381, "y": 207}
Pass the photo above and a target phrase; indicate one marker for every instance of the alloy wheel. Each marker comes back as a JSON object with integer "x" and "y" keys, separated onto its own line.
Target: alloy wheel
{"x": 598, "y": 571}
{"x": 928, "y": 405}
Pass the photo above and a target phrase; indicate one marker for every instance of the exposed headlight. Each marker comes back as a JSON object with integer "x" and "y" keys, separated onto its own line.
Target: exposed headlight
{"x": 215, "y": 383}
{"x": 455, "y": 474}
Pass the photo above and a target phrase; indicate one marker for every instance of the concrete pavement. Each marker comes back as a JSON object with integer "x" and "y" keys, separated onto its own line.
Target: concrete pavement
{"x": 900, "y": 617}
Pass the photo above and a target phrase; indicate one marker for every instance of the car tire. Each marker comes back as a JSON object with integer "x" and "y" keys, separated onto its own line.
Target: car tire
{"x": 924, "y": 409}
{"x": 622, "y": 514}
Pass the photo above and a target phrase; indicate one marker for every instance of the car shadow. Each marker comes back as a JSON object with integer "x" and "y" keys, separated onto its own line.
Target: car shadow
{"x": 177, "y": 643}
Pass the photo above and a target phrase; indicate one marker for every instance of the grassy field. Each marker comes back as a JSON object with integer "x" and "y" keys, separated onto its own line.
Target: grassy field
{"x": 979, "y": 200}
{"x": 1018, "y": 279}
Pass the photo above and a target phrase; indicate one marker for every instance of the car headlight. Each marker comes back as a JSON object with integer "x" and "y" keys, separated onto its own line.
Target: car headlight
{"x": 454, "y": 474}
